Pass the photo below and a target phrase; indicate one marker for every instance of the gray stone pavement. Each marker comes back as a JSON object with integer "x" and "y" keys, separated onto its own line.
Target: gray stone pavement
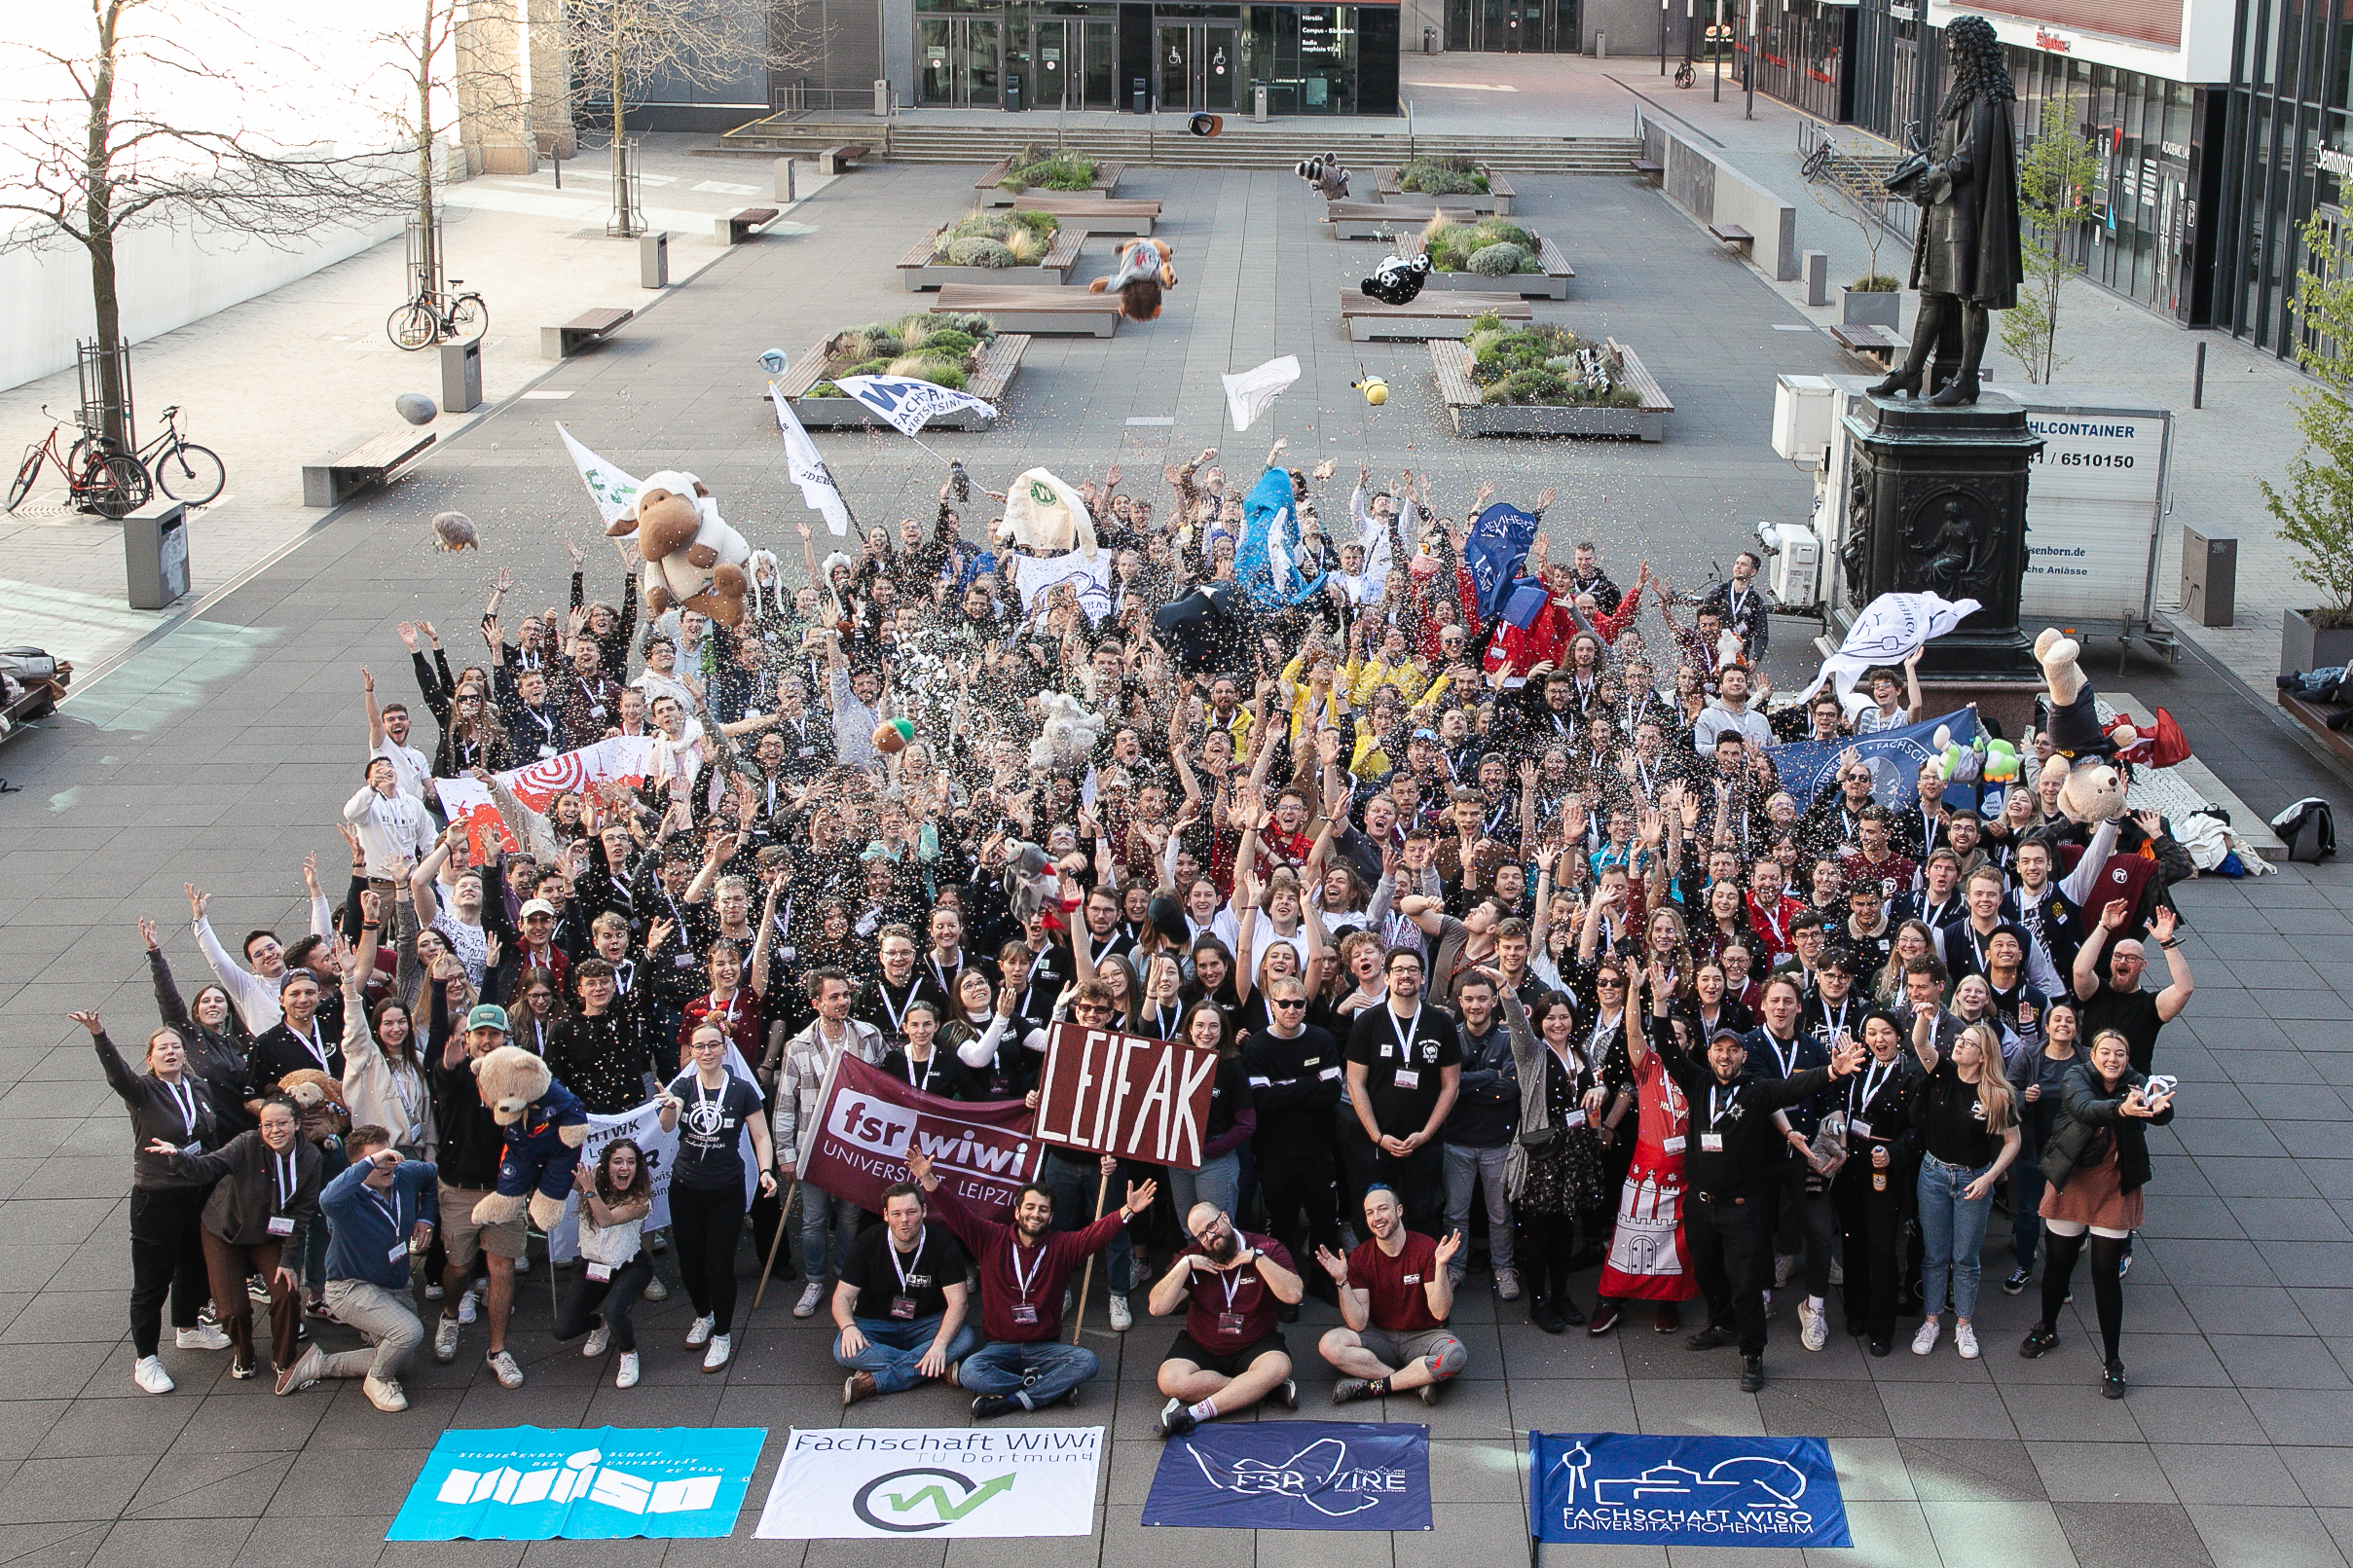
{"x": 216, "y": 752}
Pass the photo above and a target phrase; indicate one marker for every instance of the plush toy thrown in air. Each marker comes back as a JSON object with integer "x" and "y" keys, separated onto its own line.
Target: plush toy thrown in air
{"x": 1144, "y": 271}
{"x": 2002, "y": 765}
{"x": 1375, "y": 389}
{"x": 692, "y": 557}
{"x": 1331, "y": 181}
{"x": 1047, "y": 517}
{"x": 1068, "y": 736}
{"x": 1956, "y": 764}
{"x": 2094, "y": 789}
{"x": 545, "y": 1125}
{"x": 1397, "y": 280}
{"x": 453, "y": 531}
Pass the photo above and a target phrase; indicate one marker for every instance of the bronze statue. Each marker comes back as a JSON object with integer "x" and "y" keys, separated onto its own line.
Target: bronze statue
{"x": 1965, "y": 258}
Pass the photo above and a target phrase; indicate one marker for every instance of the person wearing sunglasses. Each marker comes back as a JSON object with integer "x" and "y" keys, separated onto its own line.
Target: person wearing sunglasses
{"x": 1293, "y": 1070}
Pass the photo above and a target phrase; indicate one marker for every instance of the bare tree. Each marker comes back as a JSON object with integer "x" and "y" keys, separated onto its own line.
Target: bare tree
{"x": 459, "y": 57}
{"x": 698, "y": 43}
{"x": 91, "y": 162}
{"x": 1848, "y": 182}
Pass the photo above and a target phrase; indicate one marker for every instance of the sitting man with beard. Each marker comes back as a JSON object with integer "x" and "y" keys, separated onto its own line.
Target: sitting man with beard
{"x": 1229, "y": 1354}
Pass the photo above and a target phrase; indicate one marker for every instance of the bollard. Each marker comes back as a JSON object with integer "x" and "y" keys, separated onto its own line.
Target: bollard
{"x": 1818, "y": 278}
{"x": 461, "y": 377}
{"x": 788, "y": 189}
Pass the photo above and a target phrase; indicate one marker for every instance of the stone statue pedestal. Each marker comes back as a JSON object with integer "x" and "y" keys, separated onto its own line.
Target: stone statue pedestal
{"x": 1936, "y": 503}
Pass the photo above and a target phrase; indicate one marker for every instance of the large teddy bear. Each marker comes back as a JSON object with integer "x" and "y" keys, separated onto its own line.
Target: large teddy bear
{"x": 692, "y": 557}
{"x": 545, "y": 1125}
{"x": 2094, "y": 789}
{"x": 1068, "y": 737}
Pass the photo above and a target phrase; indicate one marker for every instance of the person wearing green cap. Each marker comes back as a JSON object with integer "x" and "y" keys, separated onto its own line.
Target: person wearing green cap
{"x": 472, "y": 1144}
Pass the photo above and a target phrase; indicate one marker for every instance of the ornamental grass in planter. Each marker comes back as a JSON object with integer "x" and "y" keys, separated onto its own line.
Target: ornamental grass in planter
{"x": 998, "y": 238}
{"x": 1042, "y": 169}
{"x": 1545, "y": 366}
{"x": 936, "y": 346}
{"x": 1441, "y": 176}
{"x": 1493, "y": 247}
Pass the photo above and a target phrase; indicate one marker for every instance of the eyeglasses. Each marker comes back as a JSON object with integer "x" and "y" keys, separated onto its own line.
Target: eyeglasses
{"x": 1091, "y": 1011}
{"x": 1288, "y": 1004}
{"x": 1211, "y": 1229}
{"x": 1609, "y": 982}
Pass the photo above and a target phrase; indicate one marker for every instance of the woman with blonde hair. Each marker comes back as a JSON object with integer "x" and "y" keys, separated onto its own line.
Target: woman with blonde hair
{"x": 1966, "y": 1114}
{"x": 1912, "y": 940}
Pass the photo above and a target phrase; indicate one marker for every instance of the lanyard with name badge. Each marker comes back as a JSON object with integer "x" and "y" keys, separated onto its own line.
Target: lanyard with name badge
{"x": 1024, "y": 1314}
{"x": 1873, "y": 1081}
{"x": 183, "y": 1099}
{"x": 284, "y": 1176}
{"x": 902, "y": 1305}
{"x": 399, "y": 1250}
{"x": 1711, "y": 1141}
{"x": 1406, "y": 1077}
{"x": 1229, "y": 1321}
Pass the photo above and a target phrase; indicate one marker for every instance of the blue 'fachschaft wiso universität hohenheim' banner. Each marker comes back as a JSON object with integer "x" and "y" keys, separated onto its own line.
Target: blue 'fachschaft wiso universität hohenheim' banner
{"x": 1611, "y": 1488}
{"x": 599, "y": 1483}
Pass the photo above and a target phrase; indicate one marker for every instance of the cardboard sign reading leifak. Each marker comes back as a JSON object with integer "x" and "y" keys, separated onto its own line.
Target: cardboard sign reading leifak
{"x": 1108, "y": 1093}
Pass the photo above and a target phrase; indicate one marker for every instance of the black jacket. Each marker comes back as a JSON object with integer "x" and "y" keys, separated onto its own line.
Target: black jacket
{"x": 1294, "y": 1085}
{"x": 216, "y": 1056}
{"x": 1752, "y": 1145}
{"x": 180, "y": 1116}
{"x": 2083, "y": 1098}
{"x": 246, "y": 1196}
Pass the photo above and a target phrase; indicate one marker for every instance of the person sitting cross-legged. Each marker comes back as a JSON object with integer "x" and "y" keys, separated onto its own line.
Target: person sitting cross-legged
{"x": 899, "y": 1303}
{"x": 1230, "y": 1354}
{"x": 1395, "y": 1296}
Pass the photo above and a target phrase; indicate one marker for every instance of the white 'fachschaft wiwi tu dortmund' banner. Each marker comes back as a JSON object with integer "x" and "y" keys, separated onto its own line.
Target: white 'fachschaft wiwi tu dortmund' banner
{"x": 839, "y": 1482}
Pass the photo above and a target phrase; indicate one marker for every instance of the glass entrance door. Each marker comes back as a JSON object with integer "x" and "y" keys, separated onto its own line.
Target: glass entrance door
{"x": 1200, "y": 65}
{"x": 963, "y": 62}
{"x": 1074, "y": 57}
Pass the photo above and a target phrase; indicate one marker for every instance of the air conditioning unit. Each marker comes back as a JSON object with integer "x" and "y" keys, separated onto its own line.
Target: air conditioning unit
{"x": 1796, "y": 565}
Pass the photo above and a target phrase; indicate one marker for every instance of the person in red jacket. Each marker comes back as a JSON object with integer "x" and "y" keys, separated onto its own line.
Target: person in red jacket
{"x": 1025, "y": 1267}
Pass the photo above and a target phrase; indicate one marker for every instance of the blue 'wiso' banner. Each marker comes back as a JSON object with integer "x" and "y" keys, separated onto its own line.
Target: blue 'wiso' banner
{"x": 1295, "y": 1475}
{"x": 1809, "y": 767}
{"x": 1500, "y": 539}
{"x": 1598, "y": 1488}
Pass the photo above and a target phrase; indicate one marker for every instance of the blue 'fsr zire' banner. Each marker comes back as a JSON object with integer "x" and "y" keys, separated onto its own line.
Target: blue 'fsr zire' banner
{"x": 1809, "y": 767}
{"x": 598, "y": 1483}
{"x": 1611, "y": 1488}
{"x": 1294, "y": 1476}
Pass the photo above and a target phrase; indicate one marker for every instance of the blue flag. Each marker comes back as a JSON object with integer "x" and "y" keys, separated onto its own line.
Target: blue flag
{"x": 1498, "y": 543}
{"x": 1895, "y": 756}
{"x": 1611, "y": 1488}
{"x": 1265, "y": 560}
{"x": 1295, "y": 1475}
{"x": 601, "y": 1483}
{"x": 1525, "y": 602}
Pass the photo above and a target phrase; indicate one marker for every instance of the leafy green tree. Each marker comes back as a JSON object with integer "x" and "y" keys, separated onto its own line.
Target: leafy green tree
{"x": 2055, "y": 199}
{"x": 2316, "y": 514}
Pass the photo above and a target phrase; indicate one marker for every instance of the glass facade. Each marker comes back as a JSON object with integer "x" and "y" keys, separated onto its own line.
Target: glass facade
{"x": 2285, "y": 141}
{"x": 1802, "y": 51}
{"x": 970, "y": 53}
{"x": 1513, "y": 27}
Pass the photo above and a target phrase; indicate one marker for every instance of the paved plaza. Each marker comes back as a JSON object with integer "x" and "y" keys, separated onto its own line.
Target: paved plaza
{"x": 218, "y": 746}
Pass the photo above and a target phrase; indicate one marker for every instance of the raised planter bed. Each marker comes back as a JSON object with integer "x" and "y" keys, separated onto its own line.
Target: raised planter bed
{"x": 1552, "y": 283}
{"x": 1107, "y": 180}
{"x": 1496, "y": 199}
{"x": 1389, "y": 220}
{"x": 918, "y": 272}
{"x": 999, "y": 358}
{"x": 1646, "y": 420}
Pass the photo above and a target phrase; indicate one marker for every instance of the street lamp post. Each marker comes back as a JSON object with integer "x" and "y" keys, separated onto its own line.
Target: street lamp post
{"x": 1748, "y": 109}
{"x": 1715, "y": 49}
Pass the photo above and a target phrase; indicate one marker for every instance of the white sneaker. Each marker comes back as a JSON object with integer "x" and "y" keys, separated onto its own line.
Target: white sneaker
{"x": 1926, "y": 1339}
{"x": 433, "y": 1290}
{"x": 385, "y": 1394}
{"x": 523, "y": 1264}
{"x": 1784, "y": 1265}
{"x": 1814, "y": 1326}
{"x": 1965, "y": 1337}
{"x": 1123, "y": 1317}
{"x": 150, "y": 1375}
{"x": 503, "y": 1366}
{"x": 656, "y": 1291}
{"x": 716, "y": 1357}
{"x": 811, "y": 1294}
{"x": 203, "y": 1337}
{"x": 698, "y": 1333}
{"x": 469, "y": 1305}
{"x": 626, "y": 1375}
{"x": 444, "y": 1338}
{"x": 599, "y": 1341}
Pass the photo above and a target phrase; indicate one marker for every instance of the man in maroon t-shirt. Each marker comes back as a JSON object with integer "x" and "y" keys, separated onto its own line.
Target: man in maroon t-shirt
{"x": 1023, "y": 1269}
{"x": 1229, "y": 1354}
{"x": 1395, "y": 1298}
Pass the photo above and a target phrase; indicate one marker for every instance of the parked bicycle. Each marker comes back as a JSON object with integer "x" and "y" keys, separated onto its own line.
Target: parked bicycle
{"x": 187, "y": 473}
{"x": 1684, "y": 75}
{"x": 98, "y": 478}
{"x": 436, "y": 315}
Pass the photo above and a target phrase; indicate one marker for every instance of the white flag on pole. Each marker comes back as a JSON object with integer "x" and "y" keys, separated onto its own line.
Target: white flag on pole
{"x": 907, "y": 403}
{"x": 817, "y": 490}
{"x": 1249, "y": 393}
{"x": 614, "y": 491}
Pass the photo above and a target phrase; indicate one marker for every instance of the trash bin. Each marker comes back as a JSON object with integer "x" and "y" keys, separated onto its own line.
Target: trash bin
{"x": 461, "y": 377}
{"x": 882, "y": 97}
{"x": 1140, "y": 98}
{"x": 1012, "y": 93}
{"x": 155, "y": 554}
{"x": 787, "y": 187}
{"x": 1258, "y": 101}
{"x": 653, "y": 259}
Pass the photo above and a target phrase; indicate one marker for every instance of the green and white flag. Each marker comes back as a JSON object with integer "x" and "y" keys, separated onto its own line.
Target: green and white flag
{"x": 614, "y": 491}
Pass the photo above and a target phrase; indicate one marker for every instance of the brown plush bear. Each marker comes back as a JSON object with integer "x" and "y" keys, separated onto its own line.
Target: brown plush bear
{"x": 545, "y": 1125}
{"x": 2095, "y": 785}
{"x": 692, "y": 557}
{"x": 319, "y": 1102}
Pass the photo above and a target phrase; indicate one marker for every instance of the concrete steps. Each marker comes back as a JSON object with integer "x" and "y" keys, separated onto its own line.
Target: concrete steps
{"x": 1241, "y": 147}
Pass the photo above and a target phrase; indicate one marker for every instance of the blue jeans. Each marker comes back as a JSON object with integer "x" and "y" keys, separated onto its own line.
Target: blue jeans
{"x": 1464, "y": 1166}
{"x": 821, "y": 1213}
{"x": 1219, "y": 1180}
{"x": 1073, "y": 1180}
{"x": 1044, "y": 1369}
{"x": 894, "y": 1347}
{"x": 1952, "y": 1232}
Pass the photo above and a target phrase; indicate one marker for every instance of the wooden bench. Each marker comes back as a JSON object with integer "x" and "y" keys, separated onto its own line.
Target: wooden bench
{"x": 1649, "y": 170}
{"x": 1428, "y": 316}
{"x": 2314, "y": 716}
{"x": 741, "y": 224}
{"x": 1095, "y": 215}
{"x": 1382, "y": 220}
{"x": 1036, "y": 312}
{"x": 1877, "y": 344}
{"x": 841, "y": 160}
{"x": 589, "y": 326}
{"x": 1733, "y": 234}
{"x": 364, "y": 468}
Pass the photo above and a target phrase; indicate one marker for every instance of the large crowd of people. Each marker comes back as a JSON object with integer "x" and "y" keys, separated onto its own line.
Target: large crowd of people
{"x": 1522, "y": 966}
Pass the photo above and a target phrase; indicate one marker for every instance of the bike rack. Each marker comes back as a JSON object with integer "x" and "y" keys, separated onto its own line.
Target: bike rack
{"x": 96, "y": 406}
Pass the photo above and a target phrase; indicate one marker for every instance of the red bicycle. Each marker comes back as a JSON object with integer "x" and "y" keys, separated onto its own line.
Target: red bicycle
{"x": 110, "y": 483}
